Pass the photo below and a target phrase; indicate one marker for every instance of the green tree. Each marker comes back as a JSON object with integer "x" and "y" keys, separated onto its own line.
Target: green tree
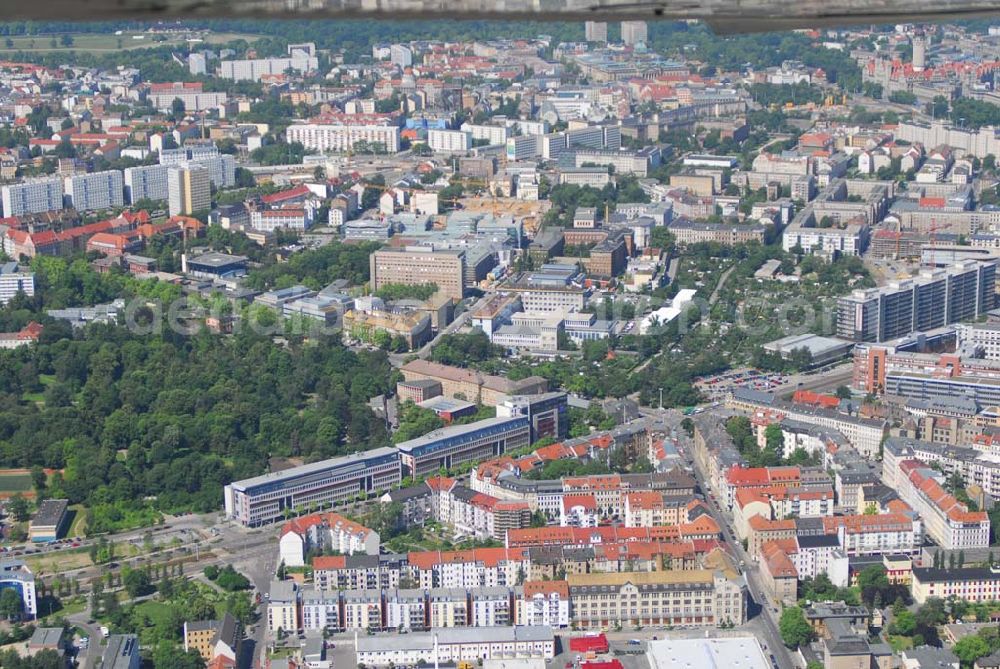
{"x": 903, "y": 624}
{"x": 136, "y": 582}
{"x": 970, "y": 648}
{"x": 11, "y": 606}
{"x": 18, "y": 507}
{"x": 794, "y": 628}
{"x": 171, "y": 656}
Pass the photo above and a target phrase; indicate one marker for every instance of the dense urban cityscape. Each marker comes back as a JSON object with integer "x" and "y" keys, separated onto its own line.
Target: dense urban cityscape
{"x": 602, "y": 345}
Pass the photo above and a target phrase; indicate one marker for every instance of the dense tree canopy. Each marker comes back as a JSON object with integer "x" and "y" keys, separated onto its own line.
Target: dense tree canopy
{"x": 176, "y": 417}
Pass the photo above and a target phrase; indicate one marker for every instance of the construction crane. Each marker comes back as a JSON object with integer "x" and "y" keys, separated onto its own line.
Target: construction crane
{"x": 934, "y": 228}
{"x": 484, "y": 185}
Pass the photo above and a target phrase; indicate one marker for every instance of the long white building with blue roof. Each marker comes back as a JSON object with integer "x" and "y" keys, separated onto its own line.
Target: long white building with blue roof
{"x": 456, "y": 445}
{"x": 266, "y": 498}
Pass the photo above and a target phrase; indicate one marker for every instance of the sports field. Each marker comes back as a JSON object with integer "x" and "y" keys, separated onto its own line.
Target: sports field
{"x": 15, "y": 481}
{"x": 109, "y": 42}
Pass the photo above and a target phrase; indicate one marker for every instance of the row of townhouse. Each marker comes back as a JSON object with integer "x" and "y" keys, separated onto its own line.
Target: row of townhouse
{"x": 416, "y": 609}
{"x": 970, "y": 584}
{"x": 978, "y": 465}
{"x": 791, "y": 550}
{"x": 949, "y": 522}
{"x": 702, "y": 597}
{"x": 23, "y": 243}
{"x": 535, "y": 561}
{"x": 777, "y": 502}
{"x": 891, "y": 530}
{"x": 714, "y": 452}
{"x": 501, "y": 478}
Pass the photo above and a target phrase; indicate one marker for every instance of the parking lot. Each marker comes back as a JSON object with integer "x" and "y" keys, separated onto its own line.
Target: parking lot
{"x": 722, "y": 384}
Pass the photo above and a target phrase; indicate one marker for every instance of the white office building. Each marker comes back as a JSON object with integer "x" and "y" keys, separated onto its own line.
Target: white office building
{"x": 96, "y": 190}
{"x": 32, "y": 197}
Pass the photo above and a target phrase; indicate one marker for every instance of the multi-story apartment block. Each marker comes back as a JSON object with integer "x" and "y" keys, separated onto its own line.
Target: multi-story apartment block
{"x": 14, "y": 280}
{"x": 448, "y": 607}
{"x": 493, "y": 134}
{"x": 934, "y": 299}
{"x": 221, "y": 167}
{"x": 595, "y": 31}
{"x": 189, "y": 190}
{"x": 453, "y": 646}
{"x": 686, "y": 232}
{"x": 32, "y": 196}
{"x": 256, "y": 69}
{"x": 474, "y": 513}
{"x": 492, "y": 607}
{"x": 195, "y": 99}
{"x": 341, "y": 136}
{"x": 363, "y": 610}
{"x": 324, "y": 531}
{"x": 864, "y": 434}
{"x": 359, "y": 572}
{"x": 543, "y": 603}
{"x": 283, "y": 606}
{"x": 16, "y": 575}
{"x": 419, "y": 265}
{"x": 650, "y": 508}
{"x": 947, "y": 521}
{"x": 888, "y": 533}
{"x": 977, "y": 466}
{"x": 263, "y": 499}
{"x": 700, "y": 597}
{"x": 321, "y": 610}
{"x": 449, "y": 140}
{"x": 146, "y": 182}
{"x": 634, "y": 32}
{"x": 95, "y": 190}
{"x": 406, "y": 610}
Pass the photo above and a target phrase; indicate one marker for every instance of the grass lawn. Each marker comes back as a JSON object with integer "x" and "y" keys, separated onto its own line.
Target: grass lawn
{"x": 35, "y": 398}
{"x": 78, "y": 526}
{"x": 65, "y": 560}
{"x": 898, "y": 643}
{"x": 108, "y": 42}
{"x": 156, "y": 611}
